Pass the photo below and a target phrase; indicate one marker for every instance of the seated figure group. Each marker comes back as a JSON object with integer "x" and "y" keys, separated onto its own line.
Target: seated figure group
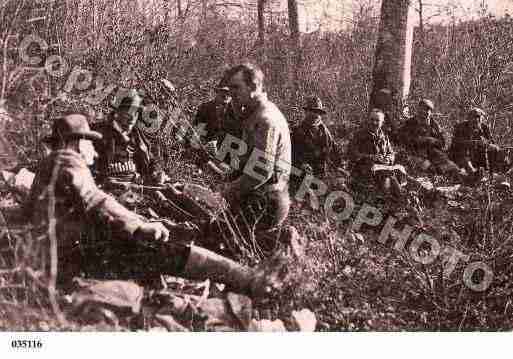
{"x": 85, "y": 161}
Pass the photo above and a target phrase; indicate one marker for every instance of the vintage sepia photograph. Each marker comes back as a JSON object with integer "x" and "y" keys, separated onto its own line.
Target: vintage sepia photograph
{"x": 255, "y": 166}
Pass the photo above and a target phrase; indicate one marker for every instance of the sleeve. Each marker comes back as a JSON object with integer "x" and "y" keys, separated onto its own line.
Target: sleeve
{"x": 440, "y": 136}
{"x": 390, "y": 153}
{"x": 201, "y": 124}
{"x": 487, "y": 133}
{"x": 297, "y": 147}
{"x": 109, "y": 212}
{"x": 458, "y": 138}
{"x": 260, "y": 164}
{"x": 404, "y": 132}
{"x": 200, "y": 115}
{"x": 357, "y": 150}
{"x": 329, "y": 143}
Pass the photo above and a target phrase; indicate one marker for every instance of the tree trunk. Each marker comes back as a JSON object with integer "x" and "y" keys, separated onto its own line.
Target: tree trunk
{"x": 393, "y": 55}
{"x": 261, "y": 22}
{"x": 293, "y": 22}
{"x": 295, "y": 44}
{"x": 179, "y": 8}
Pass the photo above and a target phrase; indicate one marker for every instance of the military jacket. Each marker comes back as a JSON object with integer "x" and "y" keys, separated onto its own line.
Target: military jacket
{"x": 267, "y": 161}
{"x": 367, "y": 148}
{"x": 121, "y": 156}
{"x": 313, "y": 144}
{"x": 77, "y": 215}
{"x": 412, "y": 131}
{"x": 218, "y": 120}
{"x": 468, "y": 136}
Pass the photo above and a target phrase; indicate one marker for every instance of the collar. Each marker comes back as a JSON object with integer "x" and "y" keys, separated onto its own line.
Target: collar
{"x": 378, "y": 133}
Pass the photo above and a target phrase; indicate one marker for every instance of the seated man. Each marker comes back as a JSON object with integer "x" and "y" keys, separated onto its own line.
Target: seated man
{"x": 472, "y": 145}
{"x": 384, "y": 100}
{"x": 92, "y": 228}
{"x": 372, "y": 156}
{"x": 124, "y": 152}
{"x": 313, "y": 144}
{"x": 217, "y": 118}
{"x": 424, "y": 139}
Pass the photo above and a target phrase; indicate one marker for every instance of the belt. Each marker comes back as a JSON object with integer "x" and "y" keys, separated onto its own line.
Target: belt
{"x": 121, "y": 168}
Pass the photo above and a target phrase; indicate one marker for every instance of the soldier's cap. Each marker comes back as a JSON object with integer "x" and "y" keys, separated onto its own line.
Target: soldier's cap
{"x": 74, "y": 125}
{"x": 428, "y": 103}
{"x": 476, "y": 112}
{"x": 127, "y": 99}
{"x": 314, "y": 104}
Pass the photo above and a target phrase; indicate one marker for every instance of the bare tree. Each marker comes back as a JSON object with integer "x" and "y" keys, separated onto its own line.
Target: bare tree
{"x": 293, "y": 21}
{"x": 179, "y": 8}
{"x": 261, "y": 21}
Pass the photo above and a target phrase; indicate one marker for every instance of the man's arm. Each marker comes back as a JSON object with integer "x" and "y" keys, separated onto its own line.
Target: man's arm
{"x": 260, "y": 165}
{"x": 441, "y": 140}
{"x": 100, "y": 205}
{"x": 360, "y": 150}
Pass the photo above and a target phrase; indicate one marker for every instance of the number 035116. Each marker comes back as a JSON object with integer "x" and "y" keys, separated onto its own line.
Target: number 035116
{"x": 26, "y": 344}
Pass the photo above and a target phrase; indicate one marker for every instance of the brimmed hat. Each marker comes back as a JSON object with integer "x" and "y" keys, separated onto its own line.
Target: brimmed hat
{"x": 314, "y": 104}
{"x": 72, "y": 126}
{"x": 428, "y": 103}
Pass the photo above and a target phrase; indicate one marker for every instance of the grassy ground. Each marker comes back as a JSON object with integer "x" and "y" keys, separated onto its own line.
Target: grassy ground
{"x": 348, "y": 279}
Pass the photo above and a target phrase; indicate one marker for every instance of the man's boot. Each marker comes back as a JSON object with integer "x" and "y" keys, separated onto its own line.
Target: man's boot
{"x": 202, "y": 264}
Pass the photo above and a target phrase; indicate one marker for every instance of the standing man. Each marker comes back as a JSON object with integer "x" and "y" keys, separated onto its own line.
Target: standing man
{"x": 216, "y": 118}
{"x": 313, "y": 143}
{"x": 124, "y": 152}
{"x": 472, "y": 145}
{"x": 260, "y": 192}
{"x": 424, "y": 139}
{"x": 371, "y": 147}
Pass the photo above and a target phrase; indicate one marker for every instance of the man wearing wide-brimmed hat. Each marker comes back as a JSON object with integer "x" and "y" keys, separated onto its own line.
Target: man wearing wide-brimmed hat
{"x": 124, "y": 153}
{"x": 313, "y": 144}
{"x": 472, "y": 145}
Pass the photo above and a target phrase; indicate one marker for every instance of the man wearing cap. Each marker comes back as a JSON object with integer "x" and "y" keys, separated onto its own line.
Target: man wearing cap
{"x": 92, "y": 228}
{"x": 313, "y": 143}
{"x": 424, "y": 139}
{"x": 472, "y": 145}
{"x": 216, "y": 118}
{"x": 369, "y": 148}
{"x": 124, "y": 152}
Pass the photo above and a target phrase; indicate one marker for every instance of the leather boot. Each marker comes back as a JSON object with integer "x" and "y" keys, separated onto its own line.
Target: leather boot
{"x": 202, "y": 264}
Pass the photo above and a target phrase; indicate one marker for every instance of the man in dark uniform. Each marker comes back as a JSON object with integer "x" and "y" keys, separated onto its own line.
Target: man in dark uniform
{"x": 313, "y": 144}
{"x": 472, "y": 145}
{"x": 369, "y": 148}
{"x": 425, "y": 141}
{"x": 91, "y": 223}
{"x": 217, "y": 118}
{"x": 124, "y": 152}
